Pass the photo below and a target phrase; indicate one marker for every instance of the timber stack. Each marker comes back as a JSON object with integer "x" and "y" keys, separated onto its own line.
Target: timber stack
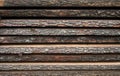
{"x": 60, "y": 38}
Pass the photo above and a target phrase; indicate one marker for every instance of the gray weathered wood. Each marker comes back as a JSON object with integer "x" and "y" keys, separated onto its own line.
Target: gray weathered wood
{"x": 61, "y": 73}
{"x": 59, "y": 23}
{"x": 60, "y": 49}
{"x": 58, "y": 31}
{"x": 61, "y": 3}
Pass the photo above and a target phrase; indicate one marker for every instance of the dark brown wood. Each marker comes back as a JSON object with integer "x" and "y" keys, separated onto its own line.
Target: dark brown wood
{"x": 59, "y": 58}
{"x": 60, "y": 13}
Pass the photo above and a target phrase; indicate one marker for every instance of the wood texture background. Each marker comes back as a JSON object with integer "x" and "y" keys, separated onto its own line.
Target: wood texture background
{"x": 85, "y": 43}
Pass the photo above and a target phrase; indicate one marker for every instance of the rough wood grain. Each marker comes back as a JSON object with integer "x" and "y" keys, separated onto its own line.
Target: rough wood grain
{"x": 62, "y": 3}
{"x": 61, "y": 73}
{"x": 60, "y": 13}
{"x": 59, "y": 23}
{"x": 61, "y": 49}
{"x": 59, "y": 66}
{"x": 60, "y": 58}
{"x": 58, "y": 31}
{"x": 58, "y": 39}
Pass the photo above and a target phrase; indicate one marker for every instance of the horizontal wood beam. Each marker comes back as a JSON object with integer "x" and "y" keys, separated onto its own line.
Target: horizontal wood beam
{"x": 60, "y": 58}
{"x": 58, "y": 31}
{"x": 61, "y": 49}
{"x": 60, "y": 13}
{"x": 59, "y": 66}
{"x": 61, "y": 73}
{"x": 61, "y": 3}
{"x": 59, "y": 23}
{"x": 58, "y": 39}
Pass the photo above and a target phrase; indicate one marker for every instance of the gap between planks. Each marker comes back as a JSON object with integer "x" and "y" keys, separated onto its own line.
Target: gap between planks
{"x": 66, "y": 45}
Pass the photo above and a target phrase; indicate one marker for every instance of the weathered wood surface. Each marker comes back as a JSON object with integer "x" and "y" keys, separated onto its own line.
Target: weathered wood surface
{"x": 59, "y": 53}
{"x": 38, "y": 47}
{"x": 61, "y": 3}
{"x": 59, "y": 23}
{"x": 60, "y": 58}
{"x": 59, "y": 66}
{"x": 60, "y": 13}
{"x": 58, "y": 39}
{"x": 58, "y": 31}
{"x": 61, "y": 49}
{"x": 61, "y": 73}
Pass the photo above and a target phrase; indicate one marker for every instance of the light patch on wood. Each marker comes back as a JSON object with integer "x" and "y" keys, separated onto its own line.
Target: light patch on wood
{"x": 1, "y": 2}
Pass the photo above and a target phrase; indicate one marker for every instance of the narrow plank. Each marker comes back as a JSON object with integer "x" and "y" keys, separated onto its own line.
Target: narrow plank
{"x": 62, "y": 3}
{"x": 59, "y": 23}
{"x": 59, "y": 66}
{"x": 60, "y": 13}
{"x": 61, "y": 49}
{"x": 61, "y": 73}
{"x": 58, "y": 39}
{"x": 59, "y": 58}
{"x": 58, "y": 31}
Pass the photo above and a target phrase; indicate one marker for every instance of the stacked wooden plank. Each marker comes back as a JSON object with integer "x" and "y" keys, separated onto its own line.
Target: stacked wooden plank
{"x": 59, "y": 38}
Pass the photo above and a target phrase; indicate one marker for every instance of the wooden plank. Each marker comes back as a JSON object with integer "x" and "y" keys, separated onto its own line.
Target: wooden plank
{"x": 59, "y": 23}
{"x": 58, "y": 31}
{"x": 59, "y": 58}
{"x": 58, "y": 39}
{"x": 61, "y": 73}
{"x": 62, "y": 3}
{"x": 60, "y": 13}
{"x": 61, "y": 49}
{"x": 59, "y": 66}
